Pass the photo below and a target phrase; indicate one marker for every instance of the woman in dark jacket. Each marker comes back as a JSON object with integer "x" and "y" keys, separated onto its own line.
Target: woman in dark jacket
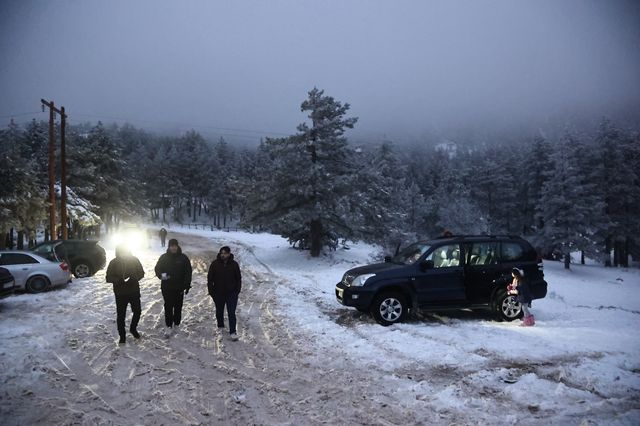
{"x": 224, "y": 283}
{"x": 125, "y": 272}
{"x": 174, "y": 270}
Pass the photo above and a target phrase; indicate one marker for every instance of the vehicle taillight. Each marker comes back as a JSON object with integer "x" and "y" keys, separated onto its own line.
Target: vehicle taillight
{"x": 64, "y": 266}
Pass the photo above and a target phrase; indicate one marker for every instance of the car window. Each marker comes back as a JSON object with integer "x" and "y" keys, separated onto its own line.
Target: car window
{"x": 445, "y": 256}
{"x": 483, "y": 253}
{"x": 61, "y": 250}
{"x": 43, "y": 249}
{"x": 16, "y": 259}
{"x": 512, "y": 252}
{"x": 410, "y": 254}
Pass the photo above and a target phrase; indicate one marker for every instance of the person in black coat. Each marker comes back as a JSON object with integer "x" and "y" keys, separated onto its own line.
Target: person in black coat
{"x": 224, "y": 283}
{"x": 125, "y": 273}
{"x": 174, "y": 270}
{"x": 163, "y": 236}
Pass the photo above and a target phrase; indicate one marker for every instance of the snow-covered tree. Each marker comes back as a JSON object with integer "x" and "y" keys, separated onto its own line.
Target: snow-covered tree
{"x": 619, "y": 185}
{"x": 311, "y": 178}
{"x": 569, "y": 207}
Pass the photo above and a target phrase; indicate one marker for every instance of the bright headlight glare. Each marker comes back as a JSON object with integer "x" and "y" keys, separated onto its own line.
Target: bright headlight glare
{"x": 131, "y": 239}
{"x": 361, "y": 279}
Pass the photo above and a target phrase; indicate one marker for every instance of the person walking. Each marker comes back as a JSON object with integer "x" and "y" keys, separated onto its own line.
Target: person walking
{"x": 163, "y": 236}
{"x": 125, "y": 273}
{"x": 224, "y": 283}
{"x": 520, "y": 287}
{"x": 174, "y": 270}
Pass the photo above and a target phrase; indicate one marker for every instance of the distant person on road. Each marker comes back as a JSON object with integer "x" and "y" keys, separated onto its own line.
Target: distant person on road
{"x": 520, "y": 287}
{"x": 163, "y": 236}
{"x": 174, "y": 270}
{"x": 224, "y": 283}
{"x": 125, "y": 272}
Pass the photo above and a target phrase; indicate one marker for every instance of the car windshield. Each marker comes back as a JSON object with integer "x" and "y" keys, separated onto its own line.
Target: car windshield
{"x": 410, "y": 254}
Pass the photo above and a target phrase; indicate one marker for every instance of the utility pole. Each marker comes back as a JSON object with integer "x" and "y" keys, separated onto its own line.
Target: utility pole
{"x": 52, "y": 170}
{"x": 63, "y": 178}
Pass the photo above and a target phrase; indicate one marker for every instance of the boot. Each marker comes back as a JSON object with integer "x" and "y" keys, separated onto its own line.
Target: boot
{"x": 135, "y": 333}
{"x": 527, "y": 321}
{"x": 122, "y": 340}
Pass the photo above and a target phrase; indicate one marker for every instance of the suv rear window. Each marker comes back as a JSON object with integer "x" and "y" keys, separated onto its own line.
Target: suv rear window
{"x": 512, "y": 252}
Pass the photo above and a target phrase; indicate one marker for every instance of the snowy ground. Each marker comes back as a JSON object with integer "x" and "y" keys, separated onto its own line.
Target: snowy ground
{"x": 304, "y": 359}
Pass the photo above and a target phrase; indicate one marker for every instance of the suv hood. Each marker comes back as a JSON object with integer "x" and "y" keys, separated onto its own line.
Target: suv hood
{"x": 372, "y": 269}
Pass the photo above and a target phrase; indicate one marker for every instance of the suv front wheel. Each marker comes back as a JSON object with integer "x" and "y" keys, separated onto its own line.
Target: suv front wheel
{"x": 506, "y": 307}
{"x": 389, "y": 308}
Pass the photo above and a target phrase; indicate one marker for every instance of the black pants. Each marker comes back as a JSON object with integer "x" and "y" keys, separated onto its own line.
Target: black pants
{"x": 231, "y": 301}
{"x": 162, "y": 241}
{"x": 173, "y": 299}
{"x": 121, "y": 307}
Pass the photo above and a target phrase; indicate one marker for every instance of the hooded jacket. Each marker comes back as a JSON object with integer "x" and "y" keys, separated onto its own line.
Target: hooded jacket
{"x": 178, "y": 267}
{"x": 125, "y": 272}
{"x": 524, "y": 291}
{"x": 224, "y": 279}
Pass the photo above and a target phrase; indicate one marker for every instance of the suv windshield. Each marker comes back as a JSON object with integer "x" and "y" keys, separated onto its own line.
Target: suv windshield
{"x": 410, "y": 254}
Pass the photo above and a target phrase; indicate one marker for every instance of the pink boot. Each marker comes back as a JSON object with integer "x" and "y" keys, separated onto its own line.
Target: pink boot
{"x": 528, "y": 321}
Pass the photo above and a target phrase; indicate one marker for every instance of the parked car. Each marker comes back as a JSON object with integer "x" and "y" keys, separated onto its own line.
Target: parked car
{"x": 85, "y": 257}
{"x": 34, "y": 273}
{"x": 445, "y": 273}
{"x": 7, "y": 282}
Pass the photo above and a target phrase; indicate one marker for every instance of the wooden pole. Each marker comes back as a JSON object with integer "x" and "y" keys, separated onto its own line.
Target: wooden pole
{"x": 52, "y": 173}
{"x": 63, "y": 178}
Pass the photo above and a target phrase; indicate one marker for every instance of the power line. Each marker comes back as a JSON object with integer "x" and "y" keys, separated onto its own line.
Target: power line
{"x": 21, "y": 114}
{"x": 259, "y": 132}
{"x": 230, "y": 135}
{"x": 226, "y": 131}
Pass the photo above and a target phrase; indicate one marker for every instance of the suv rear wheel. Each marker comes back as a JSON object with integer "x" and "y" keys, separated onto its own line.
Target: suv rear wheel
{"x": 506, "y": 307}
{"x": 81, "y": 268}
{"x": 389, "y": 308}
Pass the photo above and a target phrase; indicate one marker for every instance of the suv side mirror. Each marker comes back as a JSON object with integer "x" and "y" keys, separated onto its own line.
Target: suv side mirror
{"x": 426, "y": 264}
{"x": 387, "y": 259}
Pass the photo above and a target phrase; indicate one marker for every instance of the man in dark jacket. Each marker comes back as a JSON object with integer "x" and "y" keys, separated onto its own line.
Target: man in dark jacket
{"x": 125, "y": 272}
{"x": 224, "y": 283}
{"x": 163, "y": 235}
{"x": 174, "y": 270}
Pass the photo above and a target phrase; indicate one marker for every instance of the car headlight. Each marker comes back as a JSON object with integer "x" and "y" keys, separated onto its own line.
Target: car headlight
{"x": 361, "y": 279}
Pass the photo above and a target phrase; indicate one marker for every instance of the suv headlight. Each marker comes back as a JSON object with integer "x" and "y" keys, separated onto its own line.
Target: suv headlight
{"x": 361, "y": 279}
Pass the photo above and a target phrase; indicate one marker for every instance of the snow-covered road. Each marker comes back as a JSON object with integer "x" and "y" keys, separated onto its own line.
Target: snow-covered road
{"x": 304, "y": 359}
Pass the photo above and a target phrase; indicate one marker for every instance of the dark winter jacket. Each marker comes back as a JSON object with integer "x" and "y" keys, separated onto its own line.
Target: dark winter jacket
{"x": 524, "y": 291}
{"x": 163, "y": 233}
{"x": 177, "y": 267}
{"x": 223, "y": 278}
{"x": 125, "y": 272}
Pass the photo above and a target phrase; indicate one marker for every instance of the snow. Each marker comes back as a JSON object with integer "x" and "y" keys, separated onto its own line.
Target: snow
{"x": 304, "y": 358}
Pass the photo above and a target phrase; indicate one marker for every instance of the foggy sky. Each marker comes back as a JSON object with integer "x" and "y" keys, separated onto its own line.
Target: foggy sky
{"x": 406, "y": 67}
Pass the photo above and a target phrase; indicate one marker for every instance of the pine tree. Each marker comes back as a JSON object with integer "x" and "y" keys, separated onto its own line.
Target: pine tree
{"x": 311, "y": 178}
{"x": 538, "y": 168}
{"x": 97, "y": 174}
{"x": 22, "y": 197}
{"x": 568, "y": 204}
{"x": 620, "y": 188}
